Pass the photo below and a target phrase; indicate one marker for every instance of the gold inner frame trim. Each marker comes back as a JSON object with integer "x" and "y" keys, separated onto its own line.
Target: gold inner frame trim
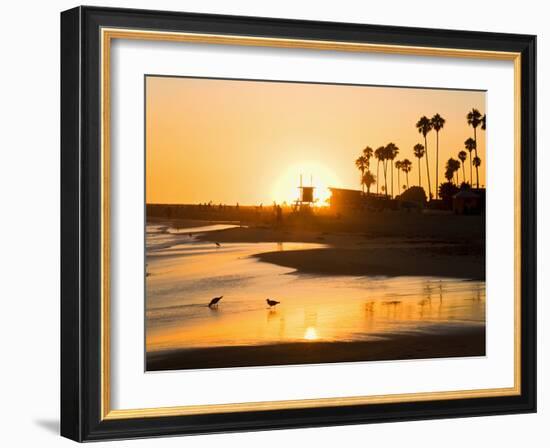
{"x": 107, "y": 35}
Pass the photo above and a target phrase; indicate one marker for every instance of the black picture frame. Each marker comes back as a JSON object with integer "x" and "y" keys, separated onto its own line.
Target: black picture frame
{"x": 81, "y": 214}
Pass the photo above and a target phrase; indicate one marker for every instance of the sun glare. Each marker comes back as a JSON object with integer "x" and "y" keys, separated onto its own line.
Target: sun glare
{"x": 285, "y": 188}
{"x": 310, "y": 334}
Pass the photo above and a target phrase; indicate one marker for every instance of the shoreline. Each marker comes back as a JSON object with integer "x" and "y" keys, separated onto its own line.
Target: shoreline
{"x": 465, "y": 342}
{"x": 360, "y": 255}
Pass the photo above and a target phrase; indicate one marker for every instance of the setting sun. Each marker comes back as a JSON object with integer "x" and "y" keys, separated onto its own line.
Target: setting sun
{"x": 286, "y": 187}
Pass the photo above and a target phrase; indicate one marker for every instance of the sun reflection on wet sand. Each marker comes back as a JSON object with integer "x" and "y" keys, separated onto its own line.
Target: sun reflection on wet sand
{"x": 310, "y": 334}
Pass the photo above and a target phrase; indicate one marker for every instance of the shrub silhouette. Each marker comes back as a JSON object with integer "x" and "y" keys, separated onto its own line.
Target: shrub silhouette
{"x": 414, "y": 194}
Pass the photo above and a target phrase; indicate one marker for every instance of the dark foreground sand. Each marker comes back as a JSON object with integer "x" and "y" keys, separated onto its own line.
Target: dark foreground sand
{"x": 469, "y": 341}
{"x": 390, "y": 262}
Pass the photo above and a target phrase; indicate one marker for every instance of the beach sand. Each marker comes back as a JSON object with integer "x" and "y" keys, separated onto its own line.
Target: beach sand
{"x": 467, "y": 341}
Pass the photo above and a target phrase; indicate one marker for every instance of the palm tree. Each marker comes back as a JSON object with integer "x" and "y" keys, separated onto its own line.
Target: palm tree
{"x": 456, "y": 168}
{"x": 462, "y": 157}
{"x": 448, "y": 173}
{"x": 477, "y": 162}
{"x": 474, "y": 120}
{"x": 419, "y": 153}
{"x": 367, "y": 152}
{"x": 379, "y": 156}
{"x": 437, "y": 124}
{"x": 384, "y": 153}
{"x": 451, "y": 168}
{"x": 470, "y": 145}
{"x": 424, "y": 125}
{"x": 398, "y": 166}
{"x": 368, "y": 180}
{"x": 362, "y": 165}
{"x": 406, "y": 166}
{"x": 391, "y": 153}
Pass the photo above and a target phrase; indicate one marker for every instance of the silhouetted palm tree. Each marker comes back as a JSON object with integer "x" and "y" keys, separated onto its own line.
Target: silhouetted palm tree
{"x": 451, "y": 168}
{"x": 456, "y": 168}
{"x": 424, "y": 126}
{"x": 398, "y": 167}
{"x": 368, "y": 180}
{"x": 474, "y": 120}
{"x": 368, "y": 152}
{"x": 362, "y": 165}
{"x": 477, "y": 162}
{"x": 406, "y": 166}
{"x": 462, "y": 156}
{"x": 379, "y": 156}
{"x": 391, "y": 153}
{"x": 470, "y": 145}
{"x": 449, "y": 174}
{"x": 419, "y": 153}
{"x": 437, "y": 124}
{"x": 384, "y": 153}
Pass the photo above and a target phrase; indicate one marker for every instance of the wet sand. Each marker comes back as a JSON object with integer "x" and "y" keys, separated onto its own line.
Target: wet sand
{"x": 467, "y": 341}
{"x": 360, "y": 254}
{"x": 389, "y": 262}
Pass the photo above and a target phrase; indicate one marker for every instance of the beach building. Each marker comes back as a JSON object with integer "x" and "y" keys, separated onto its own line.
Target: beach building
{"x": 342, "y": 199}
{"x": 466, "y": 202}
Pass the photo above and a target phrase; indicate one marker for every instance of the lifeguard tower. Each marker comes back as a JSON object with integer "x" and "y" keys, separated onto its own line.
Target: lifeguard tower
{"x": 306, "y": 197}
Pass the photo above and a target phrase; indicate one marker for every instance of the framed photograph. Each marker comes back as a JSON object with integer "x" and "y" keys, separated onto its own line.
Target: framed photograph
{"x": 273, "y": 223}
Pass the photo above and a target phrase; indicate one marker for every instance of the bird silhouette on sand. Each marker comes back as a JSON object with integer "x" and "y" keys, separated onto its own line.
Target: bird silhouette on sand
{"x": 218, "y": 244}
{"x": 271, "y": 303}
{"x": 214, "y": 302}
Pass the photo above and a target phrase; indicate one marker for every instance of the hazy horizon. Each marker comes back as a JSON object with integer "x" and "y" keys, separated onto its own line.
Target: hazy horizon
{"x": 247, "y": 142}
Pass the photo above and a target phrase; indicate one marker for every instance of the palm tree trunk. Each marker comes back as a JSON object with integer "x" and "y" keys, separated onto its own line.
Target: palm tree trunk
{"x": 385, "y": 166}
{"x": 475, "y": 149}
{"x": 407, "y": 174}
{"x": 428, "y": 169}
{"x": 463, "y": 174}
{"x": 475, "y": 140}
{"x": 398, "y": 182}
{"x": 391, "y": 167}
{"x": 457, "y": 177}
{"x": 377, "y": 177}
{"x": 419, "y": 173}
{"x": 471, "y": 181}
{"x": 362, "y": 183}
{"x": 436, "y": 163}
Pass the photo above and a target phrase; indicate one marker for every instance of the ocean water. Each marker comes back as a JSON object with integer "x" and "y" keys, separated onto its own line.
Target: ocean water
{"x": 184, "y": 274}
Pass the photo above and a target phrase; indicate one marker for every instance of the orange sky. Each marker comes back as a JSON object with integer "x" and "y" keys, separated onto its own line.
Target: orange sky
{"x": 248, "y": 141}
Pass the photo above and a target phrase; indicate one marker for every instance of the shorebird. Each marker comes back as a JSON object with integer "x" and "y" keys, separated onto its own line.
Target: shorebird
{"x": 214, "y": 301}
{"x": 271, "y": 303}
{"x": 218, "y": 244}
